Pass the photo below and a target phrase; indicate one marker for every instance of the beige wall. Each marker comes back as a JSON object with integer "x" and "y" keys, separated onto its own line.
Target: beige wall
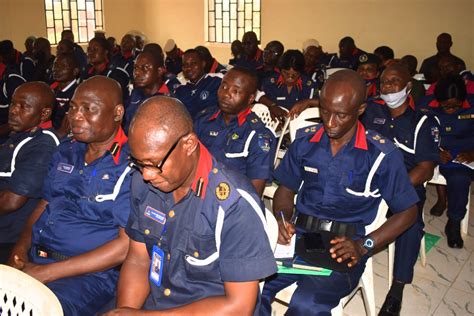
{"x": 408, "y": 26}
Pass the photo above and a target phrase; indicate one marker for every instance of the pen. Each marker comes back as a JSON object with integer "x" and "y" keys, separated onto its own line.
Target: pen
{"x": 283, "y": 218}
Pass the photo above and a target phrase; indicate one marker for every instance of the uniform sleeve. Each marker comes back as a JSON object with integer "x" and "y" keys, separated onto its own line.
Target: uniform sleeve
{"x": 394, "y": 183}
{"x": 121, "y": 205}
{"x": 132, "y": 229}
{"x": 245, "y": 253}
{"x": 427, "y": 142}
{"x": 261, "y": 155}
{"x": 31, "y": 167}
{"x": 288, "y": 171}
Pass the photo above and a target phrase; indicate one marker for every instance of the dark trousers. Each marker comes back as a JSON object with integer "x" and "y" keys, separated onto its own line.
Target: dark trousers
{"x": 315, "y": 295}
{"x": 458, "y": 181}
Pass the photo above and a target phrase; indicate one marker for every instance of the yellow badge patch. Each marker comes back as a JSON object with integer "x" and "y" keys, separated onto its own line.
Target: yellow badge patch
{"x": 222, "y": 191}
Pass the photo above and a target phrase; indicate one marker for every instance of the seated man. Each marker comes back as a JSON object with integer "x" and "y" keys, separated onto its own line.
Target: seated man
{"x": 386, "y": 55}
{"x": 197, "y": 230}
{"x": 236, "y": 50}
{"x": 125, "y": 59}
{"x": 11, "y": 56}
{"x": 315, "y": 58}
{"x": 24, "y": 159}
{"x": 417, "y": 135}
{"x": 174, "y": 55}
{"x": 348, "y": 54}
{"x": 271, "y": 55}
{"x": 65, "y": 73}
{"x": 75, "y": 237}
{"x": 148, "y": 74}
{"x": 200, "y": 90}
{"x": 212, "y": 65}
{"x": 252, "y": 57}
{"x": 341, "y": 173}
{"x": 369, "y": 70}
{"x": 234, "y": 134}
{"x": 81, "y": 56}
{"x": 417, "y": 91}
{"x": 44, "y": 60}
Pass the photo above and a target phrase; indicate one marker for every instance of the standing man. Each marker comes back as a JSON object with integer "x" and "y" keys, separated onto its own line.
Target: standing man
{"x": 341, "y": 173}
{"x": 416, "y": 134}
{"x": 24, "y": 159}
{"x": 198, "y": 241}
{"x": 75, "y": 237}
{"x": 234, "y": 134}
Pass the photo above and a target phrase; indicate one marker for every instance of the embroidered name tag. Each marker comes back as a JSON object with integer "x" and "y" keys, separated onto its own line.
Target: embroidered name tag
{"x": 155, "y": 215}
{"x": 379, "y": 120}
{"x": 281, "y": 98}
{"x": 64, "y": 167}
{"x": 311, "y": 169}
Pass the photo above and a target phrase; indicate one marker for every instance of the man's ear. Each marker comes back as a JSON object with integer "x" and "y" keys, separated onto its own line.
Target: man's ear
{"x": 361, "y": 109}
{"x": 119, "y": 111}
{"x": 46, "y": 114}
{"x": 191, "y": 143}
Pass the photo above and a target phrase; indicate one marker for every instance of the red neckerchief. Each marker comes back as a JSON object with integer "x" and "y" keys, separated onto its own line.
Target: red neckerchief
{"x": 201, "y": 178}
{"x": 214, "y": 66}
{"x": 299, "y": 82}
{"x": 100, "y": 68}
{"x": 360, "y": 142}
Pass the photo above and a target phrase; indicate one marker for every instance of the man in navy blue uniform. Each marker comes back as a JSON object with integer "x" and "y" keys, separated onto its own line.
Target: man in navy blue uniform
{"x": 369, "y": 70}
{"x": 315, "y": 58}
{"x": 148, "y": 77}
{"x": 78, "y": 52}
{"x": 24, "y": 159}
{"x": 174, "y": 55}
{"x": 271, "y": 55}
{"x": 348, "y": 54}
{"x": 126, "y": 57}
{"x": 212, "y": 65}
{"x": 75, "y": 236}
{"x": 65, "y": 72}
{"x": 341, "y": 173}
{"x": 234, "y": 134}
{"x": 200, "y": 90}
{"x": 44, "y": 60}
{"x": 454, "y": 108}
{"x": 198, "y": 239}
{"x": 252, "y": 57}
{"x": 11, "y": 56}
{"x": 416, "y": 134}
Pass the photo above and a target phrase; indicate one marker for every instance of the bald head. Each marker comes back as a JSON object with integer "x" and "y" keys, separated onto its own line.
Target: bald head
{"x": 347, "y": 82}
{"x": 104, "y": 87}
{"x": 160, "y": 120}
{"x": 41, "y": 91}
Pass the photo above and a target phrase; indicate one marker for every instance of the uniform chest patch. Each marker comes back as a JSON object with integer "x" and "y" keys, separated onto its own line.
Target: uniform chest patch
{"x": 204, "y": 94}
{"x": 379, "y": 120}
{"x": 311, "y": 169}
{"x": 435, "y": 133}
{"x": 264, "y": 143}
{"x": 64, "y": 167}
{"x": 213, "y": 133}
{"x": 155, "y": 215}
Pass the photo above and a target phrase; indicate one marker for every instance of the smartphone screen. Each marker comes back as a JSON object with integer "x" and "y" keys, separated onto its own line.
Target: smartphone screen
{"x": 313, "y": 241}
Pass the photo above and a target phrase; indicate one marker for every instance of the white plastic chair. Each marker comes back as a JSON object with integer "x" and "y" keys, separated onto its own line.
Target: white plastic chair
{"x": 331, "y": 71}
{"x": 366, "y": 282}
{"x": 23, "y": 295}
{"x": 272, "y": 228}
{"x": 306, "y": 118}
{"x": 263, "y": 113}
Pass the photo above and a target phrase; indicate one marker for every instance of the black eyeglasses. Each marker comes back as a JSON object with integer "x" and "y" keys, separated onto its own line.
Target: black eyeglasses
{"x": 154, "y": 168}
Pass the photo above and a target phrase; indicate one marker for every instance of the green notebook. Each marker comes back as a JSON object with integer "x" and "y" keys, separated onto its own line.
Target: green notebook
{"x": 301, "y": 270}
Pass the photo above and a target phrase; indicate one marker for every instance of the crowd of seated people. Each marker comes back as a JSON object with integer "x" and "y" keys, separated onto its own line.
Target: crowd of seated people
{"x": 134, "y": 174}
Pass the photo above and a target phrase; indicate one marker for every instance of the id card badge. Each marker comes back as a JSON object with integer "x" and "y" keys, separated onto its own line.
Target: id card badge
{"x": 156, "y": 267}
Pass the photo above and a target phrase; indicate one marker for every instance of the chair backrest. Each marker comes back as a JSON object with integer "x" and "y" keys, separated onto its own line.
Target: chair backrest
{"x": 263, "y": 113}
{"x": 379, "y": 219}
{"x": 272, "y": 228}
{"x": 328, "y": 72}
{"x": 306, "y": 118}
{"x": 23, "y": 295}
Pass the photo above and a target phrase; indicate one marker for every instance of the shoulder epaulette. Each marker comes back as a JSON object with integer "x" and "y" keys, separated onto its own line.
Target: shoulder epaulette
{"x": 384, "y": 144}
{"x": 308, "y": 130}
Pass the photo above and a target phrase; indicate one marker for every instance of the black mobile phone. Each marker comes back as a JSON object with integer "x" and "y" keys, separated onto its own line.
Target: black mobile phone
{"x": 313, "y": 242}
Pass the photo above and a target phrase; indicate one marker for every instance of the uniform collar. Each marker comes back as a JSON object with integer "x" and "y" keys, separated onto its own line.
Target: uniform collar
{"x": 360, "y": 138}
{"x": 164, "y": 89}
{"x": 117, "y": 144}
{"x": 214, "y": 66}
{"x": 258, "y": 54}
{"x": 241, "y": 117}
{"x": 55, "y": 84}
{"x": 17, "y": 57}
{"x": 299, "y": 82}
{"x": 201, "y": 178}
{"x": 100, "y": 68}
{"x": 128, "y": 55}
{"x": 44, "y": 125}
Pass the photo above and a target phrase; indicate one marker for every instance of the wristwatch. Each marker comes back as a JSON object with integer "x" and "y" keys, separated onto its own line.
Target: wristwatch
{"x": 369, "y": 244}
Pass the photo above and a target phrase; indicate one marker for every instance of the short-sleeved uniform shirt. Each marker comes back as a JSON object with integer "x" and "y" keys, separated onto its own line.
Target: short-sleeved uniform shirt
{"x": 250, "y": 63}
{"x": 87, "y": 203}
{"x": 245, "y": 144}
{"x": 197, "y": 258}
{"x": 339, "y": 188}
{"x": 10, "y": 80}
{"x": 30, "y": 152}
{"x": 217, "y": 67}
{"x": 125, "y": 62}
{"x": 276, "y": 89}
{"x": 200, "y": 95}
{"x": 63, "y": 97}
{"x": 415, "y": 133}
{"x": 137, "y": 97}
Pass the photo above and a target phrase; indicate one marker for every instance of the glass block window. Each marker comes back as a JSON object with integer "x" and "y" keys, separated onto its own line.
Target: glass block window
{"x": 80, "y": 16}
{"x": 228, "y": 20}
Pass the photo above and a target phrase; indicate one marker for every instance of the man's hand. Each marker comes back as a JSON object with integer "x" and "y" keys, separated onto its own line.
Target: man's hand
{"x": 278, "y": 113}
{"x": 124, "y": 311}
{"x": 445, "y": 156}
{"x": 466, "y": 156}
{"x": 38, "y": 271}
{"x": 285, "y": 232}
{"x": 345, "y": 248}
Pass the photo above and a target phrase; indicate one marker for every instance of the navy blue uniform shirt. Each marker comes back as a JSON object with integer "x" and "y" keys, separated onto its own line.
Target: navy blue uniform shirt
{"x": 250, "y": 63}
{"x": 245, "y": 144}
{"x": 10, "y": 80}
{"x": 276, "y": 89}
{"x": 125, "y": 62}
{"x": 24, "y": 161}
{"x": 87, "y": 203}
{"x": 63, "y": 97}
{"x": 215, "y": 234}
{"x": 340, "y": 188}
{"x": 200, "y": 95}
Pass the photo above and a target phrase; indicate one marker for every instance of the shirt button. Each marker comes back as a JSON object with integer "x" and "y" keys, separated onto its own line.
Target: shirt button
{"x": 11, "y": 146}
{"x": 196, "y": 254}
{"x": 167, "y": 292}
{"x": 81, "y": 172}
{"x": 171, "y": 214}
{"x": 147, "y": 232}
{"x": 214, "y": 170}
{"x": 168, "y": 257}
{"x": 391, "y": 126}
{"x": 159, "y": 244}
{"x": 40, "y": 231}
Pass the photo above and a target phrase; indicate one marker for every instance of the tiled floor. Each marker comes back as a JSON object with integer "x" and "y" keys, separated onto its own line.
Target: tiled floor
{"x": 444, "y": 287}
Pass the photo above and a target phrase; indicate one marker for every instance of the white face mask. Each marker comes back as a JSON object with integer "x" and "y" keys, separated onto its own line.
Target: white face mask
{"x": 394, "y": 100}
